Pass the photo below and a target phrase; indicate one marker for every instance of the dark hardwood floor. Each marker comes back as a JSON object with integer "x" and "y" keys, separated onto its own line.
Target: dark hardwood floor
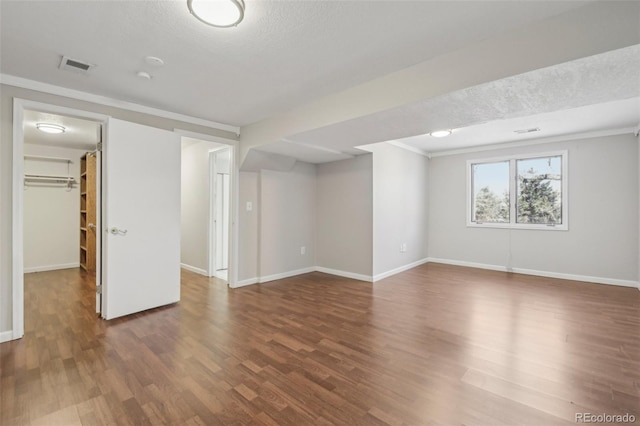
{"x": 438, "y": 344}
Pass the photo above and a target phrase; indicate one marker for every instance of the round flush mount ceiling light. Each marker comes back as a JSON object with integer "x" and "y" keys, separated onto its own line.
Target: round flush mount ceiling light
{"x": 50, "y": 128}
{"x": 144, "y": 75}
{"x": 440, "y": 133}
{"x": 217, "y": 13}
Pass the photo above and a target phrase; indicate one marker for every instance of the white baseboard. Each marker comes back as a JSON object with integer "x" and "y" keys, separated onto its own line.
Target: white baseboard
{"x": 194, "y": 269}
{"x": 287, "y": 274}
{"x": 279, "y": 276}
{"x": 246, "y": 282}
{"x": 352, "y": 275}
{"x": 548, "y": 274}
{"x": 394, "y": 271}
{"x": 573, "y": 277}
{"x": 468, "y": 264}
{"x": 51, "y": 267}
{"x": 5, "y": 336}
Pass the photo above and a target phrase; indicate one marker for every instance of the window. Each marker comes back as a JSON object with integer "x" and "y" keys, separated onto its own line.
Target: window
{"x": 527, "y": 192}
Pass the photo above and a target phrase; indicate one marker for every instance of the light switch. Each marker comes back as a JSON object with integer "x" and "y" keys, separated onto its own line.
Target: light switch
{"x": 249, "y": 206}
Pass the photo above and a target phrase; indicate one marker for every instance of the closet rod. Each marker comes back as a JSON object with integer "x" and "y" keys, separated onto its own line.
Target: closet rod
{"x": 50, "y": 178}
{"x": 40, "y": 157}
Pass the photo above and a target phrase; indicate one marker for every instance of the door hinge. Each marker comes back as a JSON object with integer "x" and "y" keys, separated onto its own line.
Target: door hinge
{"x": 99, "y": 289}
{"x": 99, "y": 147}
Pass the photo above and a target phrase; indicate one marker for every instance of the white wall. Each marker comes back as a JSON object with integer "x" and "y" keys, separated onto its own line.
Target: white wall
{"x": 344, "y": 234}
{"x": 400, "y": 212}
{"x": 51, "y": 212}
{"x": 602, "y": 240}
{"x": 287, "y": 219}
{"x": 194, "y": 239}
{"x": 248, "y": 227}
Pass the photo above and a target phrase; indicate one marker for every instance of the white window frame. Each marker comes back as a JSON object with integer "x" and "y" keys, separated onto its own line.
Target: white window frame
{"x": 512, "y": 159}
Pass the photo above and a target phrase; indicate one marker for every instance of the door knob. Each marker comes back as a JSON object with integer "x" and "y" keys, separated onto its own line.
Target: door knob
{"x": 92, "y": 226}
{"x": 116, "y": 231}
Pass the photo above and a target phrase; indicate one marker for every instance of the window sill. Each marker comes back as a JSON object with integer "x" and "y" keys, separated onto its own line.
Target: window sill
{"x": 529, "y": 227}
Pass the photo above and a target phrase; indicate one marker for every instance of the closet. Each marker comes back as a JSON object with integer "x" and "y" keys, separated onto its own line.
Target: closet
{"x": 88, "y": 212}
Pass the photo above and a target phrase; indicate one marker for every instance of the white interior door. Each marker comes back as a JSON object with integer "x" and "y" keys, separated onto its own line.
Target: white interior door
{"x": 141, "y": 224}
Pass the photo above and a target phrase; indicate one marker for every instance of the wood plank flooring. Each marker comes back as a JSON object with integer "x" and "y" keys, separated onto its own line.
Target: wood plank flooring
{"x": 436, "y": 345}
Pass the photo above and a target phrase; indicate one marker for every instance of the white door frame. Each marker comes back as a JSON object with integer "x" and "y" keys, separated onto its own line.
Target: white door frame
{"x": 17, "y": 197}
{"x": 234, "y": 196}
{"x": 211, "y": 267}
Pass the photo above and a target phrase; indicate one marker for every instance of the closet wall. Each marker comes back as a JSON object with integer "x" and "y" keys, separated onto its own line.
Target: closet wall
{"x": 51, "y": 211}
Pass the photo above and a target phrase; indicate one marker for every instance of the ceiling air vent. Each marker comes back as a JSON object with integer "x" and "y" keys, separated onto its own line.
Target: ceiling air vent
{"x": 75, "y": 65}
{"x": 531, "y": 130}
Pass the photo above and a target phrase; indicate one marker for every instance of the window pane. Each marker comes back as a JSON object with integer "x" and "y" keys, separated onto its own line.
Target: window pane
{"x": 539, "y": 190}
{"x": 490, "y": 192}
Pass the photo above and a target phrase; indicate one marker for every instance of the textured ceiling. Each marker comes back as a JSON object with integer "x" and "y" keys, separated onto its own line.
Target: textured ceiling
{"x": 552, "y": 98}
{"x": 284, "y": 53}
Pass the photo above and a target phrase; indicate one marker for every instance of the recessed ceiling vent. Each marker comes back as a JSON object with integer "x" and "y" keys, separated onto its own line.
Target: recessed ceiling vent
{"x": 69, "y": 64}
{"x": 531, "y": 130}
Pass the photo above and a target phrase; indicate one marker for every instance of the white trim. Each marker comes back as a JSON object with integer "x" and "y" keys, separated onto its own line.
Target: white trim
{"x": 24, "y": 83}
{"x": 194, "y": 269}
{"x": 6, "y": 336}
{"x": 287, "y": 274}
{"x": 532, "y": 142}
{"x": 468, "y": 264}
{"x": 51, "y": 267}
{"x": 409, "y": 148}
{"x": 211, "y": 230}
{"x": 547, "y": 274}
{"x": 17, "y": 220}
{"x": 399, "y": 269}
{"x": 352, "y": 275}
{"x": 246, "y": 282}
{"x": 574, "y": 277}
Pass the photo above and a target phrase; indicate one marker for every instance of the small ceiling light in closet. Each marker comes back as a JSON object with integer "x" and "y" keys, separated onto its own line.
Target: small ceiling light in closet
{"x": 50, "y": 128}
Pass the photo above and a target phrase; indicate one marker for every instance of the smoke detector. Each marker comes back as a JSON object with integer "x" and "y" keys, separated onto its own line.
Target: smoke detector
{"x": 74, "y": 65}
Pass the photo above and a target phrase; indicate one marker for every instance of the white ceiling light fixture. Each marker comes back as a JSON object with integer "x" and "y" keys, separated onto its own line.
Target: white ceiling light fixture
{"x": 50, "y": 128}
{"x": 154, "y": 61}
{"x": 217, "y": 13}
{"x": 144, "y": 75}
{"x": 440, "y": 133}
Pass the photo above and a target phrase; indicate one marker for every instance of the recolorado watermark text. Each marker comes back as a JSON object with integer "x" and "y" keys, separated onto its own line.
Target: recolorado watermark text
{"x": 605, "y": 418}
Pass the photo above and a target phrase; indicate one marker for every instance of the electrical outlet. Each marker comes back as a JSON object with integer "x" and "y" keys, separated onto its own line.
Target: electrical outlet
{"x": 403, "y": 248}
{"x": 303, "y": 250}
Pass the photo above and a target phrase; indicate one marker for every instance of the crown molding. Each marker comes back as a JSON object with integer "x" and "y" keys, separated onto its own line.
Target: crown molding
{"x": 24, "y": 83}
{"x": 530, "y": 142}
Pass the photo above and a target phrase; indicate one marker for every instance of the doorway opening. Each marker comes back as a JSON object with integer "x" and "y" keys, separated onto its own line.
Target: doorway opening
{"x": 61, "y": 210}
{"x": 206, "y": 207}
